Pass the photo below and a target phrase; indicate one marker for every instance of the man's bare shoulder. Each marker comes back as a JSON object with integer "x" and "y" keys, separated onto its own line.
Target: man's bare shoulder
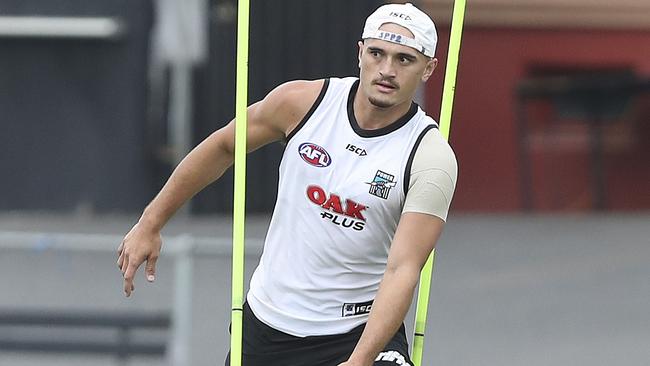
{"x": 299, "y": 93}
{"x": 290, "y": 101}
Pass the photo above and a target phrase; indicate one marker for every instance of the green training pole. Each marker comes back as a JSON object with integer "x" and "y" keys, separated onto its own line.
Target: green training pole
{"x": 239, "y": 211}
{"x": 445, "y": 123}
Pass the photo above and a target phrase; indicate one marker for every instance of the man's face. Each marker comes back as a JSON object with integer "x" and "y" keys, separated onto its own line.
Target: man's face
{"x": 390, "y": 73}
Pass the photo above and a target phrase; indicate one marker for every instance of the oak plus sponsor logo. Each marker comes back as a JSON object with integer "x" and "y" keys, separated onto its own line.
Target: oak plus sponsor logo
{"x": 348, "y": 214}
{"x": 314, "y": 155}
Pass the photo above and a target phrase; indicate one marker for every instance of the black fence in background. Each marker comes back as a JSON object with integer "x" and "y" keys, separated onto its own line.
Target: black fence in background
{"x": 72, "y": 111}
{"x": 74, "y": 130}
{"x": 83, "y": 332}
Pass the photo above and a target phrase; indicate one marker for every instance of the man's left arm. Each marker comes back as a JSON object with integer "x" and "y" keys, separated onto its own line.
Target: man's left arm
{"x": 431, "y": 187}
{"x": 414, "y": 240}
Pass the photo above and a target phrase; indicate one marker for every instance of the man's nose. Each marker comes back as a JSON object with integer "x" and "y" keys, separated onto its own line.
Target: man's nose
{"x": 387, "y": 69}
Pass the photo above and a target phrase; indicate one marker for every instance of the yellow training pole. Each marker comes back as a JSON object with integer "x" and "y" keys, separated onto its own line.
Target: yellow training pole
{"x": 239, "y": 212}
{"x": 445, "y": 124}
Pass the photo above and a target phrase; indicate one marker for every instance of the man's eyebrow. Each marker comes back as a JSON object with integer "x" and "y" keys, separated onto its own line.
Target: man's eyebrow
{"x": 407, "y": 56}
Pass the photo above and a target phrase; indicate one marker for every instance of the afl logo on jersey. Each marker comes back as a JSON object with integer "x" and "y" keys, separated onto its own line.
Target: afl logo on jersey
{"x": 314, "y": 155}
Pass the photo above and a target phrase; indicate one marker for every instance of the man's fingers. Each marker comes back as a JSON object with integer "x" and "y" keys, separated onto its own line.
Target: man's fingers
{"x": 131, "y": 268}
{"x": 128, "y": 287}
{"x": 120, "y": 260}
{"x": 150, "y": 269}
{"x": 129, "y": 274}
{"x": 135, "y": 248}
{"x": 125, "y": 264}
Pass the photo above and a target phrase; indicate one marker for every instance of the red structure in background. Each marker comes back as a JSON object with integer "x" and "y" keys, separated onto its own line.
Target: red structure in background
{"x": 485, "y": 131}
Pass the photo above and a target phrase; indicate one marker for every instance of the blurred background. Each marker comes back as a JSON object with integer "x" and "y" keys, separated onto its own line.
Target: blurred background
{"x": 545, "y": 256}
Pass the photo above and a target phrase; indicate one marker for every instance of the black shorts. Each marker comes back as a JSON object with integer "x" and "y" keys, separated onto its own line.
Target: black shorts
{"x": 265, "y": 346}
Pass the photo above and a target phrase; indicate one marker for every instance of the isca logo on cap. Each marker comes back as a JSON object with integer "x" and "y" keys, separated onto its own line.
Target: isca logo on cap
{"x": 399, "y": 15}
{"x": 314, "y": 155}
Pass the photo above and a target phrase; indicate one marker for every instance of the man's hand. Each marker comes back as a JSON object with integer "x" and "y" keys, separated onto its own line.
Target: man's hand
{"x": 139, "y": 244}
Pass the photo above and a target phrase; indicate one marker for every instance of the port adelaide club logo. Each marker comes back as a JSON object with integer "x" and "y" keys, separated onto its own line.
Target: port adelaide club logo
{"x": 314, "y": 155}
{"x": 381, "y": 184}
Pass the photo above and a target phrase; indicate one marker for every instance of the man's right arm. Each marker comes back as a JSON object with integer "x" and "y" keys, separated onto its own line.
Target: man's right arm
{"x": 269, "y": 120}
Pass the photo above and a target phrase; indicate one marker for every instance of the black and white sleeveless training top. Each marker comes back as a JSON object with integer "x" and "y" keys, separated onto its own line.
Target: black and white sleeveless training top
{"x": 341, "y": 193}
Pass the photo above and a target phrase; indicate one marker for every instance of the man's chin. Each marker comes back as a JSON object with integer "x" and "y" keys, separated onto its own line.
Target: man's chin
{"x": 380, "y": 103}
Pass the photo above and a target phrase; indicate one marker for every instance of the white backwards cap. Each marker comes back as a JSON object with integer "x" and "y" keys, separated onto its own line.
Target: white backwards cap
{"x": 409, "y": 17}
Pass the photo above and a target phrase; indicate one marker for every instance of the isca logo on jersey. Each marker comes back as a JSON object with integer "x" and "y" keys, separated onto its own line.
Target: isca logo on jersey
{"x": 314, "y": 155}
{"x": 357, "y": 150}
{"x": 350, "y": 216}
{"x": 352, "y": 309}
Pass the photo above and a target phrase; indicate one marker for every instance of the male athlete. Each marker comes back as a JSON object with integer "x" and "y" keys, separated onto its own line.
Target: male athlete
{"x": 365, "y": 184}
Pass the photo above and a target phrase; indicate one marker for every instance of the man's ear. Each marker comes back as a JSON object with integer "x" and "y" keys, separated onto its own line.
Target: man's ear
{"x": 429, "y": 68}
{"x": 360, "y": 43}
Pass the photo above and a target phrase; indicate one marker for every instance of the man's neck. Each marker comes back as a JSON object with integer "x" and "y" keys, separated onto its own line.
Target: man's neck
{"x": 371, "y": 117}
